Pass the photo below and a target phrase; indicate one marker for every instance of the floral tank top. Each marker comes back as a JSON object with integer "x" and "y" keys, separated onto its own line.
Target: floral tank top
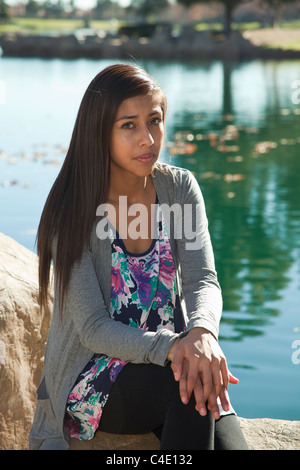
{"x": 143, "y": 295}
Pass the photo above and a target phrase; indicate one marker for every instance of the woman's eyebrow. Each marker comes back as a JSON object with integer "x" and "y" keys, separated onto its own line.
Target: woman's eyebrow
{"x": 125, "y": 117}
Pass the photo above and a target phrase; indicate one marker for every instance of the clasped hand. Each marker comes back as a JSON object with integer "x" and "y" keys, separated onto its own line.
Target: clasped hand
{"x": 198, "y": 363}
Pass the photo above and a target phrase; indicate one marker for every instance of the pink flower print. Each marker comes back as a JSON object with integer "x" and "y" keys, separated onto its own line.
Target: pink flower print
{"x": 117, "y": 283}
{"x": 167, "y": 268}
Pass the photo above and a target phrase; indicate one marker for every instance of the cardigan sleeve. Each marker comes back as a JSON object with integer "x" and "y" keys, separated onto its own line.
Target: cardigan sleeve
{"x": 100, "y": 333}
{"x": 200, "y": 286}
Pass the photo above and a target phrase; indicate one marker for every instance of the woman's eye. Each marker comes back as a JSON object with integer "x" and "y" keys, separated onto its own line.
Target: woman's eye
{"x": 156, "y": 121}
{"x": 128, "y": 125}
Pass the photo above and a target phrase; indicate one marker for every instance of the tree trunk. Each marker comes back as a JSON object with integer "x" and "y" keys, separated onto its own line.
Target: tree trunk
{"x": 228, "y": 17}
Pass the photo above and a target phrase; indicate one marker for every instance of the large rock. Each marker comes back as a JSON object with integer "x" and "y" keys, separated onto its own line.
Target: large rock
{"x": 23, "y": 333}
{"x": 271, "y": 434}
{"x": 260, "y": 434}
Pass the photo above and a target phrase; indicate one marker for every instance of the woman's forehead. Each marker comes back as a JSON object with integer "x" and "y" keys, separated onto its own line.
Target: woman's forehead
{"x": 140, "y": 103}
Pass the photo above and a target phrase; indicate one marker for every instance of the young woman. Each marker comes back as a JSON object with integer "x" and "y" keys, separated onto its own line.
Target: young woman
{"x": 132, "y": 346}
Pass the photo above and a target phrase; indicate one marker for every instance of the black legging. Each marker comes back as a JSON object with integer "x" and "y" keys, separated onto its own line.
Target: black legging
{"x": 145, "y": 398}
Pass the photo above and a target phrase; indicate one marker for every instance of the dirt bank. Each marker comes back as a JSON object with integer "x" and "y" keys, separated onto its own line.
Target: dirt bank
{"x": 190, "y": 44}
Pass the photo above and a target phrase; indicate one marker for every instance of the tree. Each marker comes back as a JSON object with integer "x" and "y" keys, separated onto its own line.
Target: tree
{"x": 32, "y": 8}
{"x": 229, "y": 6}
{"x": 54, "y": 9}
{"x": 149, "y": 7}
{"x": 275, "y": 9}
{"x": 4, "y": 14}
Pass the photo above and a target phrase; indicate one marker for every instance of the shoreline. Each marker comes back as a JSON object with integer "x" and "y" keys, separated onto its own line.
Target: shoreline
{"x": 191, "y": 44}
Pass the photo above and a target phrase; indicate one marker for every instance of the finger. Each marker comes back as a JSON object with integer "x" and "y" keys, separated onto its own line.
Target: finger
{"x": 193, "y": 373}
{"x": 218, "y": 380}
{"x": 232, "y": 379}
{"x": 213, "y": 405}
{"x": 224, "y": 372}
{"x": 176, "y": 364}
{"x": 199, "y": 397}
{"x": 224, "y": 398}
{"x": 183, "y": 383}
{"x": 207, "y": 382}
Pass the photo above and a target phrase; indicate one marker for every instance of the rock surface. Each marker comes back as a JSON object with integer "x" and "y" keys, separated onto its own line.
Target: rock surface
{"x": 260, "y": 434}
{"x": 271, "y": 434}
{"x": 23, "y": 333}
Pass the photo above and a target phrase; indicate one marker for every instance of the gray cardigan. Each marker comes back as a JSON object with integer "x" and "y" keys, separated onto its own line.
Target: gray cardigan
{"x": 86, "y": 327}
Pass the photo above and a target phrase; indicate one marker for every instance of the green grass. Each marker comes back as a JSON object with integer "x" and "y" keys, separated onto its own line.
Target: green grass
{"x": 287, "y": 46}
{"x": 65, "y": 26}
{"x": 44, "y": 26}
{"x": 245, "y": 26}
{"x": 290, "y": 25}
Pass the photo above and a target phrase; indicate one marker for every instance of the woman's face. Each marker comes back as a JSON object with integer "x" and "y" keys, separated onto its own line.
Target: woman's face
{"x": 137, "y": 136}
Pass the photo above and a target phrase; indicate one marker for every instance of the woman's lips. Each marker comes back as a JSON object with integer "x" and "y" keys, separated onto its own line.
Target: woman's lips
{"x": 145, "y": 158}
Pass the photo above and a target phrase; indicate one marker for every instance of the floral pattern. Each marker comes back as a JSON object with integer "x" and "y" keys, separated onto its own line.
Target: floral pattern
{"x": 143, "y": 295}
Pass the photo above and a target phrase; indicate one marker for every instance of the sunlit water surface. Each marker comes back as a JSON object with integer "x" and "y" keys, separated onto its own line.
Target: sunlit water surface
{"x": 237, "y": 128}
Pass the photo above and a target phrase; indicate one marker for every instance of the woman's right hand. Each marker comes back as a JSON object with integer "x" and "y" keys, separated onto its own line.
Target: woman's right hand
{"x": 199, "y": 365}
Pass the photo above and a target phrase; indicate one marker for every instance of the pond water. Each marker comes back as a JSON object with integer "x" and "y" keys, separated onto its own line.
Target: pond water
{"x": 236, "y": 126}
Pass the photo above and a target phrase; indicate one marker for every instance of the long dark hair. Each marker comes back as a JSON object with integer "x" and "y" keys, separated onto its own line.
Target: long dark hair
{"x": 83, "y": 181}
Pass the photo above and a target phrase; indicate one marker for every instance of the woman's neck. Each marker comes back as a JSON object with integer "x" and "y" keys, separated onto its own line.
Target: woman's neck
{"x": 138, "y": 191}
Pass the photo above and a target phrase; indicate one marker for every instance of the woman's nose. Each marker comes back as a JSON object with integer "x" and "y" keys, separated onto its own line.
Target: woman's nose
{"x": 146, "y": 137}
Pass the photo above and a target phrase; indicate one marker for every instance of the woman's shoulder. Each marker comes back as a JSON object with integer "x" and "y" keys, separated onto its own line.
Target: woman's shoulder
{"x": 165, "y": 171}
{"x": 175, "y": 178}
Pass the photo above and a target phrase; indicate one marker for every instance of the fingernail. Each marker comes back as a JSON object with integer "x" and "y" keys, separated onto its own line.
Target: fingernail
{"x": 184, "y": 399}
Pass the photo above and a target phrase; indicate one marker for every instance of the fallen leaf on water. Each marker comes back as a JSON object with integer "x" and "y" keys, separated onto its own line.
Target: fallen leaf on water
{"x": 208, "y": 174}
{"x": 52, "y": 162}
{"x": 288, "y": 141}
{"x": 37, "y": 155}
{"x": 231, "y": 132}
{"x": 285, "y": 112}
{"x": 264, "y": 147}
{"x": 228, "y": 148}
{"x": 228, "y": 117}
{"x": 236, "y": 177}
{"x": 7, "y": 183}
{"x": 238, "y": 158}
{"x": 182, "y": 148}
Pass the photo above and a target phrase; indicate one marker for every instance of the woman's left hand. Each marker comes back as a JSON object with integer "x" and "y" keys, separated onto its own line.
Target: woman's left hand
{"x": 198, "y": 363}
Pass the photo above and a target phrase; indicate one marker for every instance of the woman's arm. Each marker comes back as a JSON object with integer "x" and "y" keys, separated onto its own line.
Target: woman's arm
{"x": 197, "y": 359}
{"x": 201, "y": 289}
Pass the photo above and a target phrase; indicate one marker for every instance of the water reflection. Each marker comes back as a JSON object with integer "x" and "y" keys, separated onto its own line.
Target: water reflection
{"x": 235, "y": 127}
{"x": 248, "y": 167}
